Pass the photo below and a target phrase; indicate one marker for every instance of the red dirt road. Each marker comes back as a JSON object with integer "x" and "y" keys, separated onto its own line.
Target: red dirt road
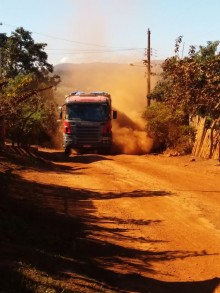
{"x": 151, "y": 223}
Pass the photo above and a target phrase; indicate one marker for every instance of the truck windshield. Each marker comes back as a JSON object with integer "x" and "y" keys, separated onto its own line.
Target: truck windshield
{"x": 88, "y": 112}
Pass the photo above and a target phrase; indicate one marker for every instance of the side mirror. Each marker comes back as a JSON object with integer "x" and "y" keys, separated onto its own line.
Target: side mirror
{"x": 115, "y": 114}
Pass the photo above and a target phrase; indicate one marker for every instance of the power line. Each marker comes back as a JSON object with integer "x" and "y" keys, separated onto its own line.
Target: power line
{"x": 75, "y": 52}
{"x": 109, "y": 49}
{"x": 87, "y": 50}
{"x": 66, "y": 40}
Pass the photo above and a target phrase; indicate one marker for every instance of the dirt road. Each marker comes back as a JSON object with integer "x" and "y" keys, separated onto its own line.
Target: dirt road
{"x": 150, "y": 223}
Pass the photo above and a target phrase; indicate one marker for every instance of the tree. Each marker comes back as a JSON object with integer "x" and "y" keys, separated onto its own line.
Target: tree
{"x": 26, "y": 75}
{"x": 193, "y": 83}
{"x": 21, "y": 55}
{"x": 167, "y": 128}
{"x": 189, "y": 86}
{"x": 24, "y": 108}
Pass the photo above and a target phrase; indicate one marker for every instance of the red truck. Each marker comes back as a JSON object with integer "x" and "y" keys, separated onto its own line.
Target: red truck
{"x": 87, "y": 122}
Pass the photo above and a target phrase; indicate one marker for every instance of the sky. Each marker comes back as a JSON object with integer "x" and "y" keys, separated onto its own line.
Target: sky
{"x": 81, "y": 31}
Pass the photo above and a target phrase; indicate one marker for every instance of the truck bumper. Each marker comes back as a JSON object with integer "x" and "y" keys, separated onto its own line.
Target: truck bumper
{"x": 71, "y": 141}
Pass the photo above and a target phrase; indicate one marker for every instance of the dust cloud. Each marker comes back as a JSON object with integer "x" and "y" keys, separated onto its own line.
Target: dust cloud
{"x": 129, "y": 136}
{"x": 127, "y": 86}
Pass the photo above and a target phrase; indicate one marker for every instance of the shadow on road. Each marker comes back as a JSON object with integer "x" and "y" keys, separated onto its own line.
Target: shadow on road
{"x": 52, "y": 241}
{"x": 59, "y": 156}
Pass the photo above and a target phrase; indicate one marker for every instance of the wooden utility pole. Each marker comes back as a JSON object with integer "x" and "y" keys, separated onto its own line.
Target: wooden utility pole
{"x": 148, "y": 67}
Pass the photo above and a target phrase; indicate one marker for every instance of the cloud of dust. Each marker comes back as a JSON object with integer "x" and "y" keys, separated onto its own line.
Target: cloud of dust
{"x": 127, "y": 86}
{"x": 94, "y": 25}
{"x": 89, "y": 22}
{"x": 129, "y": 99}
{"x": 129, "y": 136}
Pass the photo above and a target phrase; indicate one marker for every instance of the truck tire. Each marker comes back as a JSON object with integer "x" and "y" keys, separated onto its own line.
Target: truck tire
{"x": 105, "y": 151}
{"x": 67, "y": 151}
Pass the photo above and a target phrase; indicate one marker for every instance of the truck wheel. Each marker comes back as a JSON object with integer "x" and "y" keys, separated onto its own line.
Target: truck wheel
{"x": 67, "y": 151}
{"x": 105, "y": 151}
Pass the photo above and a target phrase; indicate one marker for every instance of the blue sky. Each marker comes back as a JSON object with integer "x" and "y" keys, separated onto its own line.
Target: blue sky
{"x": 81, "y": 31}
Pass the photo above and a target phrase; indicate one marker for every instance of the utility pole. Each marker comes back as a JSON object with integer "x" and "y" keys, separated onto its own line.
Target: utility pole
{"x": 147, "y": 63}
{"x": 148, "y": 67}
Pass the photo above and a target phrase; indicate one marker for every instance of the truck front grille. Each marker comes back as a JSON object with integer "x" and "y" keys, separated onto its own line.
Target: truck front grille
{"x": 87, "y": 134}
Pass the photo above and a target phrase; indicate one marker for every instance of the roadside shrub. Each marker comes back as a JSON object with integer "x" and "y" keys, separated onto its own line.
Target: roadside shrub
{"x": 168, "y": 128}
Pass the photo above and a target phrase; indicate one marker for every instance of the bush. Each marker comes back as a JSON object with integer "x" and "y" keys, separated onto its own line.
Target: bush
{"x": 168, "y": 129}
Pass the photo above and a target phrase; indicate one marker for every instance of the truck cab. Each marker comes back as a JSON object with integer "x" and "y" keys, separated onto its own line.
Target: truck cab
{"x": 87, "y": 122}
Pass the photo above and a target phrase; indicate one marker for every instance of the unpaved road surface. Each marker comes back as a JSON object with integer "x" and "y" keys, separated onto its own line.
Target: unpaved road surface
{"x": 151, "y": 223}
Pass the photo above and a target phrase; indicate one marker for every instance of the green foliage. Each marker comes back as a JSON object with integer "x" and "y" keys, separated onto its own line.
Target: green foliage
{"x": 28, "y": 113}
{"x": 159, "y": 91}
{"x": 193, "y": 83}
{"x": 168, "y": 128}
{"x": 189, "y": 86}
{"x": 3, "y": 40}
{"x": 22, "y": 55}
{"x": 26, "y": 96}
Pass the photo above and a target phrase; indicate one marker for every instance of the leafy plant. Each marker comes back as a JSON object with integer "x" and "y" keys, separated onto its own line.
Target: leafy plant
{"x": 26, "y": 88}
{"x": 192, "y": 83}
{"x": 189, "y": 86}
{"x": 168, "y": 129}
